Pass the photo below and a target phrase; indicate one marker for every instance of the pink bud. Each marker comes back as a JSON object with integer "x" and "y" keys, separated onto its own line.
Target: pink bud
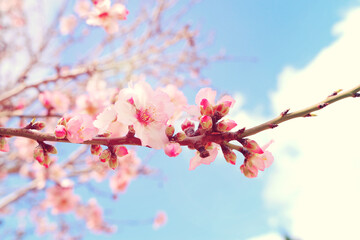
{"x": 230, "y": 157}
{"x": 50, "y": 149}
{"x": 62, "y": 121}
{"x": 113, "y": 161}
{"x": 226, "y": 125}
{"x": 39, "y": 153}
{"x": 180, "y": 136}
{"x": 47, "y": 161}
{"x": 172, "y": 149}
{"x": 105, "y": 155}
{"x": 249, "y": 172}
{"x": 4, "y": 146}
{"x": 251, "y": 145}
{"x": 95, "y": 149}
{"x": 206, "y": 122}
{"x": 60, "y": 131}
{"x": 169, "y": 131}
{"x": 206, "y": 108}
{"x": 121, "y": 151}
{"x": 187, "y": 124}
{"x": 223, "y": 108}
{"x": 38, "y": 125}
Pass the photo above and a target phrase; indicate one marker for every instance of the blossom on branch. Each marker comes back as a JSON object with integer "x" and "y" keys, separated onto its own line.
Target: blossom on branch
{"x": 254, "y": 161}
{"x": 61, "y": 198}
{"x": 80, "y": 128}
{"x": 106, "y": 16}
{"x": 198, "y": 160}
{"x": 147, "y": 110}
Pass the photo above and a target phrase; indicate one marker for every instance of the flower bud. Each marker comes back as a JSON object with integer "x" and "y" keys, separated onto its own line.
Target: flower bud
{"x": 131, "y": 129}
{"x": 226, "y": 125}
{"x": 113, "y": 161}
{"x": 172, "y": 149}
{"x": 121, "y": 151}
{"x": 39, "y": 153}
{"x": 47, "y": 161}
{"x": 4, "y": 146}
{"x": 60, "y": 132}
{"x": 188, "y": 127}
{"x": 223, "y": 108}
{"x": 95, "y": 149}
{"x": 187, "y": 124}
{"x": 248, "y": 172}
{"x": 180, "y": 136}
{"x": 62, "y": 121}
{"x": 169, "y": 131}
{"x": 206, "y": 122}
{"x": 251, "y": 145}
{"x": 38, "y": 126}
{"x": 50, "y": 149}
{"x": 230, "y": 157}
{"x": 105, "y": 155}
{"x": 206, "y": 108}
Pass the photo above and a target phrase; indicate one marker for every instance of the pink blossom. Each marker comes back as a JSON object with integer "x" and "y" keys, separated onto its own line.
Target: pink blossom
{"x": 4, "y": 146}
{"x": 206, "y": 122}
{"x": 128, "y": 171}
{"x": 67, "y": 24}
{"x": 104, "y": 119}
{"x": 55, "y": 101}
{"x": 82, "y": 8}
{"x": 177, "y": 98}
{"x": 160, "y": 220}
{"x": 61, "y": 199}
{"x": 94, "y": 216}
{"x": 209, "y": 103}
{"x": 172, "y": 149}
{"x": 98, "y": 96}
{"x": 255, "y": 162}
{"x": 60, "y": 131}
{"x": 80, "y": 128}
{"x": 107, "y": 16}
{"x": 226, "y": 125}
{"x": 197, "y": 160}
{"x": 148, "y": 112}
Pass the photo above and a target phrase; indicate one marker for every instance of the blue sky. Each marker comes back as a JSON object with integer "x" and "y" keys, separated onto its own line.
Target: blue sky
{"x": 217, "y": 201}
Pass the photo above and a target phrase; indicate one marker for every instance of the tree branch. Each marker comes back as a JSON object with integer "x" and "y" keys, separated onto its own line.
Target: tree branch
{"x": 285, "y": 116}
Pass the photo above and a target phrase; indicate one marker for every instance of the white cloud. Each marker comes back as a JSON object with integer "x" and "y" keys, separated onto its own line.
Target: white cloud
{"x": 315, "y": 182}
{"x": 268, "y": 236}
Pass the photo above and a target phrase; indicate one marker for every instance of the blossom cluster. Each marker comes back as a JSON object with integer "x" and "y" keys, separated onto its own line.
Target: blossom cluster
{"x": 148, "y": 116}
{"x": 100, "y": 13}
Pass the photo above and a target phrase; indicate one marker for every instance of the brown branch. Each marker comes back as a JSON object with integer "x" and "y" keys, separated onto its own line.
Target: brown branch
{"x": 14, "y": 196}
{"x": 23, "y": 86}
{"x": 285, "y": 116}
{"x": 194, "y": 141}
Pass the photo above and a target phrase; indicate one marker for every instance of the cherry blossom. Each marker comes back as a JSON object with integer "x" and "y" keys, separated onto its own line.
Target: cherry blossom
{"x": 80, "y": 128}
{"x": 61, "y": 199}
{"x": 147, "y": 110}
{"x": 107, "y": 16}
{"x": 128, "y": 171}
{"x": 4, "y": 146}
{"x": 172, "y": 149}
{"x": 55, "y": 101}
{"x": 197, "y": 160}
{"x": 160, "y": 220}
{"x": 82, "y": 8}
{"x": 67, "y": 24}
{"x": 178, "y": 99}
{"x": 205, "y": 103}
{"x": 255, "y": 162}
